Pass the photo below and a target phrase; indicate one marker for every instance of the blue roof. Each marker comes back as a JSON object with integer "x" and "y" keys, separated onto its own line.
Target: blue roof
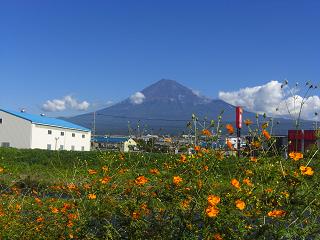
{"x": 100, "y": 139}
{"x": 46, "y": 121}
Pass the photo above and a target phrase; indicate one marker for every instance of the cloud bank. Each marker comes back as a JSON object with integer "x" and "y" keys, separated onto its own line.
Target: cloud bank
{"x": 274, "y": 100}
{"x": 66, "y": 103}
{"x": 137, "y": 98}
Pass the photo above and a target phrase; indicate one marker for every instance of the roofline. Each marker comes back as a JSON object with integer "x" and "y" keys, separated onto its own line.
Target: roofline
{"x": 57, "y": 126}
{"x": 43, "y": 124}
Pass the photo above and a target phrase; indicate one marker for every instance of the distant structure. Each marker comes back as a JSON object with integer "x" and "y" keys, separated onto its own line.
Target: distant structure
{"x": 24, "y": 130}
{"x": 122, "y": 144}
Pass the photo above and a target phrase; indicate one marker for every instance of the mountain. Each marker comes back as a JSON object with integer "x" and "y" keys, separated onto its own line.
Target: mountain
{"x": 164, "y": 107}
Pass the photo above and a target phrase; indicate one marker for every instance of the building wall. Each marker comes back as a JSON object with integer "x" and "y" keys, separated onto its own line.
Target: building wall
{"x": 41, "y": 138}
{"x": 15, "y": 131}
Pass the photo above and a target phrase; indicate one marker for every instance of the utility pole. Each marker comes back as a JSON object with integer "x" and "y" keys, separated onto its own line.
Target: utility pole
{"x": 94, "y": 123}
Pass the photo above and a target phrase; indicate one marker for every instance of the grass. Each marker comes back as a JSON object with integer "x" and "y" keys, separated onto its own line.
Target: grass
{"x": 102, "y": 195}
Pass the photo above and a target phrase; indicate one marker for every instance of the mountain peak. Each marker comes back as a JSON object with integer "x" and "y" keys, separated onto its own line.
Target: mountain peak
{"x": 170, "y": 90}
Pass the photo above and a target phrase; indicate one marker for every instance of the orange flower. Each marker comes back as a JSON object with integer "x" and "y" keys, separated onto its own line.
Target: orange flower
{"x": 229, "y": 144}
{"x": 91, "y": 171}
{"x": 1, "y": 169}
{"x": 212, "y": 211}
{"x": 268, "y": 190}
{"x": 54, "y": 210}
{"x": 295, "y": 155}
{"x": 306, "y": 171}
{"x": 71, "y": 186}
{"x": 197, "y": 148}
{"x": 185, "y": 203}
{"x": 256, "y": 144}
{"x": 154, "y": 171}
{"x": 247, "y": 182}
{"x": 105, "y": 180}
{"x": 40, "y": 219}
{"x": 277, "y": 213}
{"x": 230, "y": 128}
{"x": 266, "y": 134}
{"x": 38, "y": 200}
{"x": 92, "y": 196}
{"x": 135, "y": 215}
{"x": 177, "y": 180}
{"x": 70, "y": 224}
{"x": 141, "y": 180}
{"x": 206, "y": 168}
{"x": 183, "y": 158}
{"x": 206, "y": 132}
{"x": 247, "y": 122}
{"x": 235, "y": 183}
{"x": 217, "y": 236}
{"x": 253, "y": 159}
{"x": 213, "y": 200}
{"x": 240, "y": 204}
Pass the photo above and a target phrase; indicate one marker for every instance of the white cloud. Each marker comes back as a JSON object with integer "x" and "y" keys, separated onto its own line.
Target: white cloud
{"x": 137, "y": 98}
{"x": 273, "y": 100}
{"x": 66, "y": 103}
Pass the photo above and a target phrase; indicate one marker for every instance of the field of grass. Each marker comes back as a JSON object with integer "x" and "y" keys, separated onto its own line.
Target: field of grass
{"x": 101, "y": 195}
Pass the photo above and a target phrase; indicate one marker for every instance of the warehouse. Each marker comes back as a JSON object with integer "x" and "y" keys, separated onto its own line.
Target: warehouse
{"x": 24, "y": 130}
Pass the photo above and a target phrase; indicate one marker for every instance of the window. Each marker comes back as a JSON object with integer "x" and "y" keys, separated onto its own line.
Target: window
{"x": 73, "y": 134}
{"x": 83, "y": 136}
{"x": 49, "y": 132}
{"x": 62, "y": 133}
{"x": 5, "y": 144}
{"x": 82, "y": 148}
{"x": 61, "y": 147}
{"x": 48, "y": 146}
{"x": 0, "y": 120}
{"x": 72, "y": 148}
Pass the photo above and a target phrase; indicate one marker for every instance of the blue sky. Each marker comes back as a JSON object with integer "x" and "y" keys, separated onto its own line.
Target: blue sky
{"x": 100, "y": 51}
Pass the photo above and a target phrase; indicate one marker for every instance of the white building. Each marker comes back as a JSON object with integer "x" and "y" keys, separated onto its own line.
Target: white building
{"x": 24, "y": 130}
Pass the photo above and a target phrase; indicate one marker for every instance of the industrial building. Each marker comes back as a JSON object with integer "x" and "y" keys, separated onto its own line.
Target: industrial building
{"x": 29, "y": 131}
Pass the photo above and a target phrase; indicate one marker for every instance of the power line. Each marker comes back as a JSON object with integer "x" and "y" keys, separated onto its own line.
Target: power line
{"x": 147, "y": 119}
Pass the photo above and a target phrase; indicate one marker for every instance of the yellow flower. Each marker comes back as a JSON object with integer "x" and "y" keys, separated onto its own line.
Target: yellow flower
{"x": 213, "y": 200}
{"x": 240, "y": 204}
{"x": 296, "y": 156}
{"x": 177, "y": 180}
{"x": 265, "y": 125}
{"x": 235, "y": 183}
{"x": 212, "y": 211}
{"x": 92, "y": 196}
{"x": 141, "y": 180}
{"x": 277, "y": 213}
{"x": 105, "y": 169}
{"x": 306, "y": 171}
{"x": 1, "y": 169}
